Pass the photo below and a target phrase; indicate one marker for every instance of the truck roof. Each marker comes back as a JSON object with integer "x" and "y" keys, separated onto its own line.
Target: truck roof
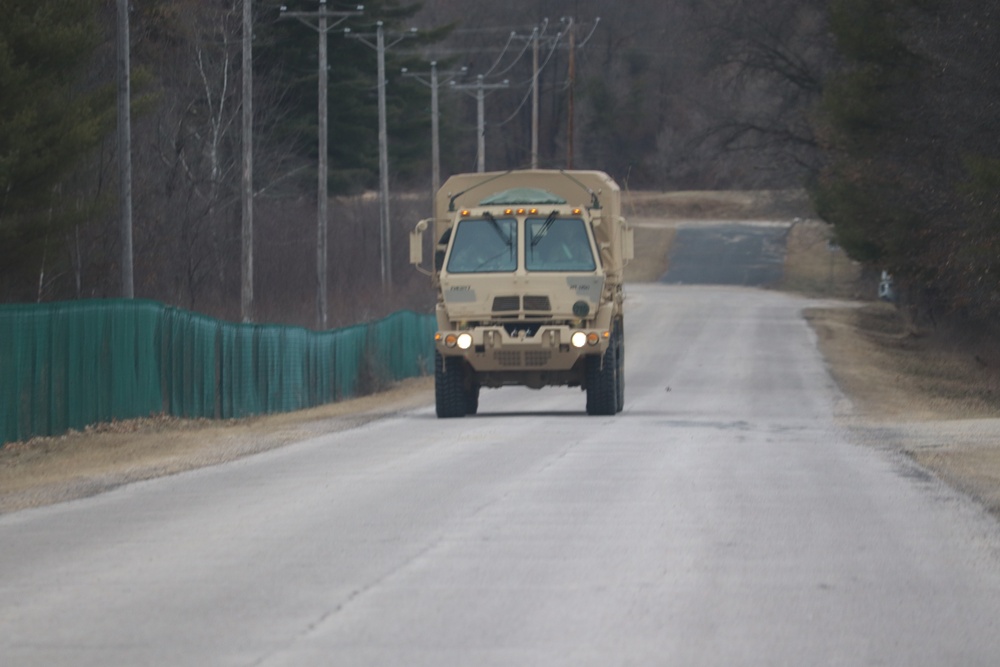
{"x": 586, "y": 189}
{"x": 523, "y": 196}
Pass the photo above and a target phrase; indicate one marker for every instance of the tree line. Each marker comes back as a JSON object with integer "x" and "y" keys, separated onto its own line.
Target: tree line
{"x": 884, "y": 109}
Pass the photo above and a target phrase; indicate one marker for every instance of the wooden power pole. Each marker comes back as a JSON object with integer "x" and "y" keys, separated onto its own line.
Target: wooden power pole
{"x": 246, "y": 259}
{"x": 125, "y": 150}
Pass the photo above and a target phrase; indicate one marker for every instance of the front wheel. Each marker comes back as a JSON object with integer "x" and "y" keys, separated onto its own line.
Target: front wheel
{"x": 449, "y": 387}
{"x": 620, "y": 367}
{"x": 602, "y": 382}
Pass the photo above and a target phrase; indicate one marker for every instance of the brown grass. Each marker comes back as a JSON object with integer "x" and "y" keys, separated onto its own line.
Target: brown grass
{"x": 817, "y": 268}
{"x": 892, "y": 374}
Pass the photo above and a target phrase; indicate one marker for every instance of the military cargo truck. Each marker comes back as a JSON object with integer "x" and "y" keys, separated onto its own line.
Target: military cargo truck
{"x": 528, "y": 267}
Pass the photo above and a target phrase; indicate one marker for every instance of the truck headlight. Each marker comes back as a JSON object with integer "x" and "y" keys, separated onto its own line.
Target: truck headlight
{"x": 464, "y": 341}
{"x": 578, "y": 339}
{"x": 450, "y": 340}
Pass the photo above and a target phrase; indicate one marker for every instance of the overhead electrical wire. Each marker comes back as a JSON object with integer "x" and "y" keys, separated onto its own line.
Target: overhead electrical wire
{"x": 541, "y": 67}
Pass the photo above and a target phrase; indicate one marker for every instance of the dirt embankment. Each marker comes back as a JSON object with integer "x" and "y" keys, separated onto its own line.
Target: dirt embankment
{"x": 926, "y": 395}
{"x": 931, "y": 395}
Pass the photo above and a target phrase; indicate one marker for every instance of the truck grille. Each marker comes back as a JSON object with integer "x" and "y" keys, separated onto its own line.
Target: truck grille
{"x": 537, "y": 303}
{"x": 515, "y": 359}
{"x": 508, "y": 358}
{"x": 506, "y": 303}
{"x": 536, "y": 359}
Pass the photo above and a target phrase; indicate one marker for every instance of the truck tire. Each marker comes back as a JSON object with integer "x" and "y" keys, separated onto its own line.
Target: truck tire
{"x": 602, "y": 382}
{"x": 620, "y": 354}
{"x": 472, "y": 400}
{"x": 449, "y": 392}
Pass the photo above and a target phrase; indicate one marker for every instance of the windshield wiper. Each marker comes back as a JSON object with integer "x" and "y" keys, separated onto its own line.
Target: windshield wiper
{"x": 540, "y": 234}
{"x": 496, "y": 227}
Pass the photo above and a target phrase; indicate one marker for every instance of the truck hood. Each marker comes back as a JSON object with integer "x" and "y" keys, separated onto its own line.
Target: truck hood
{"x": 538, "y": 297}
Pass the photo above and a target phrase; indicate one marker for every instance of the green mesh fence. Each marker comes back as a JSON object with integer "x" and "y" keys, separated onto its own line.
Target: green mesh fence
{"x": 67, "y": 365}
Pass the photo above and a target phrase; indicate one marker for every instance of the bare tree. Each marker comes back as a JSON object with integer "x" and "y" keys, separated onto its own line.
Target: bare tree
{"x": 767, "y": 60}
{"x": 192, "y": 192}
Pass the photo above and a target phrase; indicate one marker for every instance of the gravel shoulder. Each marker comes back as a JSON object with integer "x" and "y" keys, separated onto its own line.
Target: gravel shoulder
{"x": 932, "y": 398}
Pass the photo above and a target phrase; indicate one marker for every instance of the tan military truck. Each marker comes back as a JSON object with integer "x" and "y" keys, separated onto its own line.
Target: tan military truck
{"x": 528, "y": 266}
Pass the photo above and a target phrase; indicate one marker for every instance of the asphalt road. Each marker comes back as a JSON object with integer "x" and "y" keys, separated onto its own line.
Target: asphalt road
{"x": 747, "y": 254}
{"x": 724, "y": 518}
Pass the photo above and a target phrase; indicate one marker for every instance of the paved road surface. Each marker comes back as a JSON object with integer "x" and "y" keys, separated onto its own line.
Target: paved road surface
{"x": 724, "y": 518}
{"x": 748, "y": 254}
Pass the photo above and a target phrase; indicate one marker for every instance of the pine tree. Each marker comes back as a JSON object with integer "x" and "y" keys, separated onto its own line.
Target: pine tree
{"x": 48, "y": 121}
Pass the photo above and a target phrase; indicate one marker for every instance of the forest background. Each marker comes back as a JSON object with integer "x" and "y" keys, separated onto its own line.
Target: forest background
{"x": 886, "y": 111}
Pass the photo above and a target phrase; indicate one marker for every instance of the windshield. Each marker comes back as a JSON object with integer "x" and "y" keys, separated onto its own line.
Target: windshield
{"x": 557, "y": 244}
{"x": 485, "y": 245}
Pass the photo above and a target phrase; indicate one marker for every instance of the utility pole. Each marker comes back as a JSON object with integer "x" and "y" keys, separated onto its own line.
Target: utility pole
{"x": 246, "y": 263}
{"x": 435, "y": 118}
{"x": 125, "y": 149}
{"x": 534, "y": 98}
{"x": 480, "y": 88}
{"x": 573, "y": 46}
{"x": 536, "y": 39}
{"x": 569, "y": 93}
{"x": 383, "y": 142}
{"x": 553, "y": 42}
{"x": 322, "y": 26}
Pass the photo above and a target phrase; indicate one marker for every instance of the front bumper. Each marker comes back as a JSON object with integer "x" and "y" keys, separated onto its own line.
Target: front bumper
{"x": 494, "y": 348}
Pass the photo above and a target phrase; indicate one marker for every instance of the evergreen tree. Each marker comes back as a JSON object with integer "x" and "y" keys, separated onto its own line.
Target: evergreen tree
{"x": 48, "y": 120}
{"x": 911, "y": 133}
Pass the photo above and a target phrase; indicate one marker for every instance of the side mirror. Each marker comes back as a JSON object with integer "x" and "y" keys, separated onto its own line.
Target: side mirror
{"x": 417, "y": 243}
{"x": 417, "y": 246}
{"x": 628, "y": 242}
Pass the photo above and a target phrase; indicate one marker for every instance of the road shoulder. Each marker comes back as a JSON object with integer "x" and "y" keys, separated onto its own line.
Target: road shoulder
{"x": 923, "y": 395}
{"x": 43, "y": 471}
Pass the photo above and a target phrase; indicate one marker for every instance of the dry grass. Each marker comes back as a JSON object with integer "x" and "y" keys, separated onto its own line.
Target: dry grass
{"x": 814, "y": 267}
{"x": 652, "y": 245}
{"x": 719, "y": 205}
{"x": 894, "y": 375}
